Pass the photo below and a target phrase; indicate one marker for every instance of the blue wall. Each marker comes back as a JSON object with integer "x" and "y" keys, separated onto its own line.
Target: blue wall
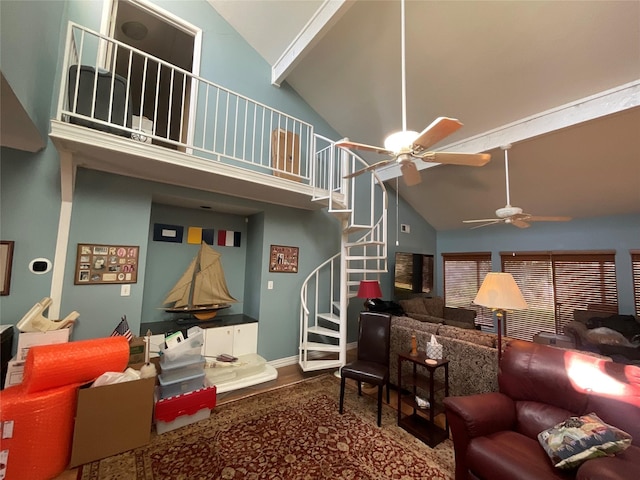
{"x": 620, "y": 233}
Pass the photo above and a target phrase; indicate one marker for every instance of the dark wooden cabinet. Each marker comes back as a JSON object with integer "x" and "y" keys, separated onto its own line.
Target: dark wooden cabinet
{"x": 423, "y": 378}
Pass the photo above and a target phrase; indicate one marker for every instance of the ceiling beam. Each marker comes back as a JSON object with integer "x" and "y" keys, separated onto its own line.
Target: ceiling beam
{"x": 319, "y": 24}
{"x": 588, "y": 108}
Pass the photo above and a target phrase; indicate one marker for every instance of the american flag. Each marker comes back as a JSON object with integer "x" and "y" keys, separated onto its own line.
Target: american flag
{"x": 123, "y": 330}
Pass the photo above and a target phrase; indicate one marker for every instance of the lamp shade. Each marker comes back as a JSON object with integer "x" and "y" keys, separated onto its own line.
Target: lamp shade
{"x": 369, "y": 289}
{"x": 500, "y": 291}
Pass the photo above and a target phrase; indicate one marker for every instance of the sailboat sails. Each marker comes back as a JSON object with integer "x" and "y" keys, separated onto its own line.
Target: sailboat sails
{"x": 202, "y": 286}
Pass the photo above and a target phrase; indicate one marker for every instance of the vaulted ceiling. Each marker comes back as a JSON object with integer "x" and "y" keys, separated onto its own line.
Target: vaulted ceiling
{"x": 560, "y": 81}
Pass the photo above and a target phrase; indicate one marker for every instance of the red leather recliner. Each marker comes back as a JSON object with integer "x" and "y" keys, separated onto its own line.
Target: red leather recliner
{"x": 495, "y": 434}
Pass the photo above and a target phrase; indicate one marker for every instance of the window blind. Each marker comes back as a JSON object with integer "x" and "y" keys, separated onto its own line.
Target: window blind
{"x": 635, "y": 267}
{"x": 555, "y": 284}
{"x": 534, "y": 276}
{"x": 584, "y": 282}
{"x": 463, "y": 275}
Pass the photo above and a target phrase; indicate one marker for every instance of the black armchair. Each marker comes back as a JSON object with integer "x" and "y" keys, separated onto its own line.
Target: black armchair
{"x": 372, "y": 363}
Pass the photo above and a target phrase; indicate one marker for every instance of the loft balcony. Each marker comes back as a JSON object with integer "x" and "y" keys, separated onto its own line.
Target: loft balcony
{"x": 125, "y": 112}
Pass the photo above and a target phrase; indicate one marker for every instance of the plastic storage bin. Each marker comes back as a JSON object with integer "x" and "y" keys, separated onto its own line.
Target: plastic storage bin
{"x": 180, "y": 385}
{"x": 189, "y": 350}
{"x": 172, "y": 371}
{"x": 181, "y": 410}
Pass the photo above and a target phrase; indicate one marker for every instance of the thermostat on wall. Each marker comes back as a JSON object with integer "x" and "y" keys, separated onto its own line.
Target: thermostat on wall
{"x": 40, "y": 266}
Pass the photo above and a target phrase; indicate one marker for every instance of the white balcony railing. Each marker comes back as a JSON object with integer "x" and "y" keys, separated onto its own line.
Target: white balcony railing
{"x": 111, "y": 86}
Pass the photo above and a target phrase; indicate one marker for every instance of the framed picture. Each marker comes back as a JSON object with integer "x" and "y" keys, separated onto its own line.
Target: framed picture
{"x": 104, "y": 264}
{"x": 6, "y": 257}
{"x": 283, "y": 259}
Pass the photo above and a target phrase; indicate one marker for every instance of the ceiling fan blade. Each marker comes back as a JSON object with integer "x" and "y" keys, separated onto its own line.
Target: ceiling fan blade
{"x": 485, "y": 224}
{"x": 410, "y": 174}
{"x": 450, "y": 158}
{"x": 440, "y": 128}
{"x": 373, "y": 166}
{"x": 519, "y": 223}
{"x": 534, "y": 218}
{"x": 483, "y": 220}
{"x": 361, "y": 146}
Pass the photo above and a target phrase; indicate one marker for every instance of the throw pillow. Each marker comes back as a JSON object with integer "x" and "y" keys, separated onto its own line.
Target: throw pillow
{"x": 577, "y": 439}
{"x": 607, "y": 336}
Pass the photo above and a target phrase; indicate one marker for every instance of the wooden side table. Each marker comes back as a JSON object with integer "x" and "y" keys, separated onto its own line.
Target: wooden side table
{"x": 420, "y": 422}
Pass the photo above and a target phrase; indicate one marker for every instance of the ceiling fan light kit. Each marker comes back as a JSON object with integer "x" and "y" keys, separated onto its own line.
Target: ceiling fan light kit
{"x": 398, "y": 141}
{"x": 406, "y": 145}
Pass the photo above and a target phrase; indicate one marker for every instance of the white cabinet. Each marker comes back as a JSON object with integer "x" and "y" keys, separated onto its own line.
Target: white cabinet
{"x": 235, "y": 340}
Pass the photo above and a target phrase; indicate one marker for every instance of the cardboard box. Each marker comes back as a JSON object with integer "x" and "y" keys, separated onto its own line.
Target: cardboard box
{"x": 136, "y": 350}
{"x": 26, "y": 340}
{"x": 112, "y": 419}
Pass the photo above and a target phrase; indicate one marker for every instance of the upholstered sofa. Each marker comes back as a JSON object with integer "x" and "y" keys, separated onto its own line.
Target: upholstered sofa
{"x": 433, "y": 310}
{"x": 495, "y": 435}
{"x": 474, "y": 357}
{"x": 617, "y": 336}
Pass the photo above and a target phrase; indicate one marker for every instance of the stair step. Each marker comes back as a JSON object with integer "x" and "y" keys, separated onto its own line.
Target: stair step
{"x": 364, "y": 244}
{"x": 338, "y": 201}
{"x": 312, "y": 365}
{"x": 365, "y": 270}
{"x": 327, "y": 332}
{"x": 356, "y": 228}
{"x": 366, "y": 257}
{"x": 332, "y": 317}
{"x": 321, "y": 347}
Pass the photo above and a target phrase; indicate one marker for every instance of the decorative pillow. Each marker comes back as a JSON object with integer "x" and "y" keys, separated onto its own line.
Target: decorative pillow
{"x": 577, "y": 439}
{"x": 607, "y": 336}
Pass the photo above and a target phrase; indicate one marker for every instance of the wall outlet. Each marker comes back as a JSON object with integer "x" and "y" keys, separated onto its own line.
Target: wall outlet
{"x": 405, "y": 228}
{"x": 125, "y": 290}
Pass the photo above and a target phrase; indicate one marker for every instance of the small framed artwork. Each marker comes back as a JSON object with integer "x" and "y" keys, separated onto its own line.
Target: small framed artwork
{"x": 6, "y": 258}
{"x": 104, "y": 264}
{"x": 283, "y": 259}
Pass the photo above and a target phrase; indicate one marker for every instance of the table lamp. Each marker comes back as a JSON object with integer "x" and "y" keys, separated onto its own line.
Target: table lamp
{"x": 368, "y": 290}
{"x": 499, "y": 292}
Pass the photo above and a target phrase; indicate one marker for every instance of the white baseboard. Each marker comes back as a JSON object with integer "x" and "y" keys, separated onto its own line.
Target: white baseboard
{"x": 293, "y": 360}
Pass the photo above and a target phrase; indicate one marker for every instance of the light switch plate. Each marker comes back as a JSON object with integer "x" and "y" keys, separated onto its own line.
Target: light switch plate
{"x": 125, "y": 290}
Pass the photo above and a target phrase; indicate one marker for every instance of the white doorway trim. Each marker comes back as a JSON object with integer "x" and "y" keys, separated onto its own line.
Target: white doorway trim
{"x": 108, "y": 23}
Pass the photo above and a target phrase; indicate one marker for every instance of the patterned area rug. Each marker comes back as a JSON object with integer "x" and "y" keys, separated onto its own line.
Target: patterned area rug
{"x": 293, "y": 432}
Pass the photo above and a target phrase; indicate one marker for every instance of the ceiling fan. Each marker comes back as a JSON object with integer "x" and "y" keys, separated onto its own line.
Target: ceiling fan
{"x": 513, "y": 215}
{"x": 405, "y": 146}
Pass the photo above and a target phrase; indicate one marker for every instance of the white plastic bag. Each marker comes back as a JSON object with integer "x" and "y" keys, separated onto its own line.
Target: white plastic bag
{"x": 109, "y": 378}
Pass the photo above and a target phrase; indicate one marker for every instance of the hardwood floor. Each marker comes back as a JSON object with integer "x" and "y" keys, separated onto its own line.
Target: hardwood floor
{"x": 286, "y": 376}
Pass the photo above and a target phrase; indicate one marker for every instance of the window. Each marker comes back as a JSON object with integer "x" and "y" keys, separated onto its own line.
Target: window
{"x": 555, "y": 284}
{"x": 463, "y": 275}
{"x": 413, "y": 272}
{"x": 635, "y": 268}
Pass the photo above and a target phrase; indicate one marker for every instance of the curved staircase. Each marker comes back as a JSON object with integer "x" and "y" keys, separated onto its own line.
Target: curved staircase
{"x": 326, "y": 292}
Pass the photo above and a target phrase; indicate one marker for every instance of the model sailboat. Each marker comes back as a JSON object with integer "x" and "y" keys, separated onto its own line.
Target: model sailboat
{"x": 202, "y": 289}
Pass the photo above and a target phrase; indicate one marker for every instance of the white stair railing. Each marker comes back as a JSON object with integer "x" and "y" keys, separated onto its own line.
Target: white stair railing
{"x": 145, "y": 98}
